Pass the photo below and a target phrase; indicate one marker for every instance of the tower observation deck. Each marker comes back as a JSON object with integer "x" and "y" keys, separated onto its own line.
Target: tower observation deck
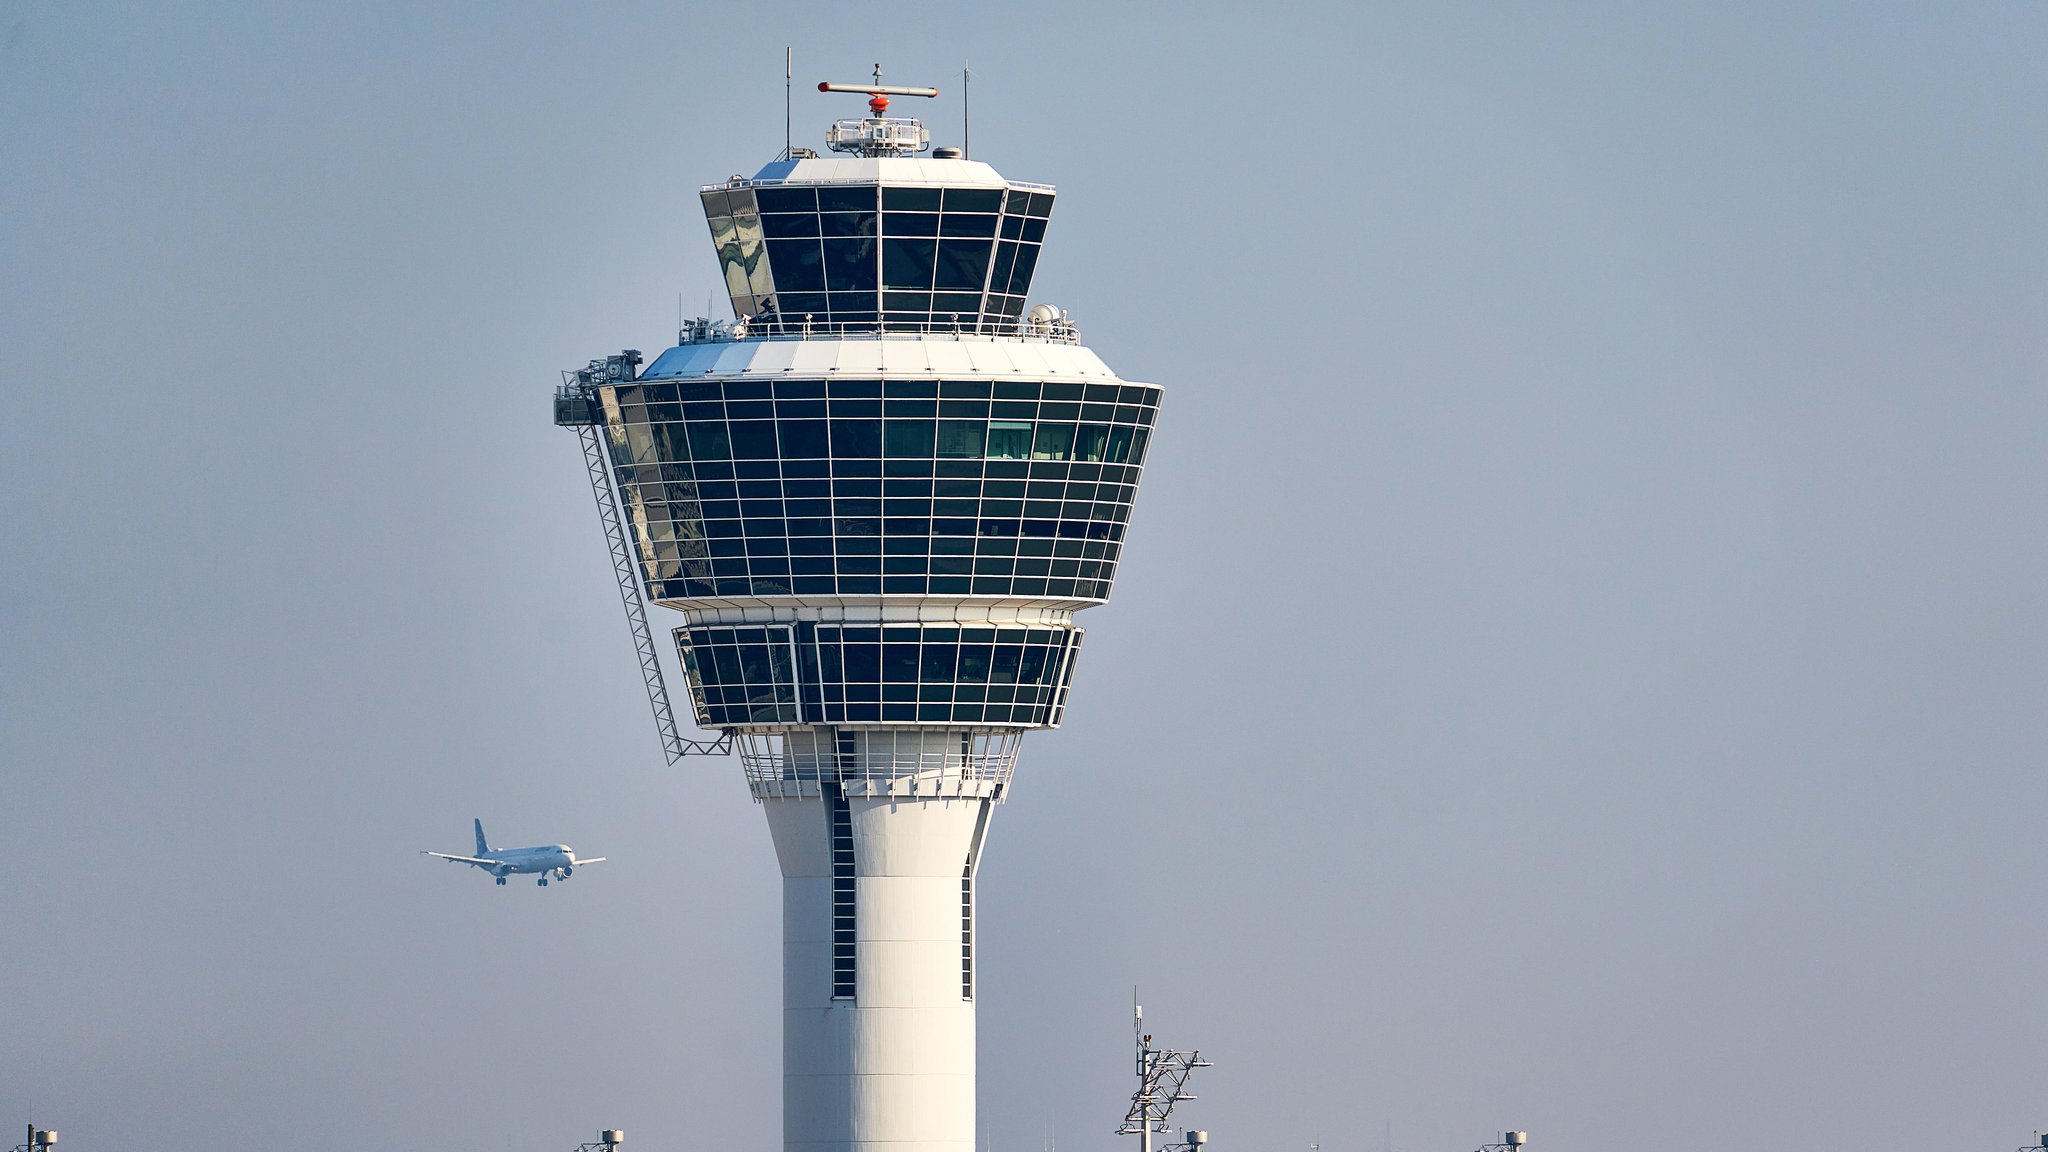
{"x": 877, "y": 497}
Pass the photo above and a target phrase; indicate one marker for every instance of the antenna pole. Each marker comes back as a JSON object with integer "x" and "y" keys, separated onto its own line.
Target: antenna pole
{"x": 966, "y": 138}
{"x": 788, "y": 59}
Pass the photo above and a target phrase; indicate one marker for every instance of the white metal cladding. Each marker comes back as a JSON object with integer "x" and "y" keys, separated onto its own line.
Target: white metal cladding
{"x": 878, "y": 170}
{"x": 884, "y": 354}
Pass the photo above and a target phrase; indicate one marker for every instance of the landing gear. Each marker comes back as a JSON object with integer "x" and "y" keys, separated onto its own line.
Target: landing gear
{"x": 543, "y": 881}
{"x": 501, "y": 879}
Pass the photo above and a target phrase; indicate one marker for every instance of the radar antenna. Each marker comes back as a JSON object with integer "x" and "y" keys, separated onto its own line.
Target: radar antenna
{"x": 878, "y": 135}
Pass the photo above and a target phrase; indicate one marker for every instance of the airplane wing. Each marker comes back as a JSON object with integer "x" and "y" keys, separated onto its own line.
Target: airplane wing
{"x": 467, "y": 859}
{"x": 593, "y": 860}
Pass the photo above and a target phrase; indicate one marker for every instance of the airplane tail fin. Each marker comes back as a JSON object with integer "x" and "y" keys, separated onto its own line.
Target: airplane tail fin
{"x": 481, "y": 845}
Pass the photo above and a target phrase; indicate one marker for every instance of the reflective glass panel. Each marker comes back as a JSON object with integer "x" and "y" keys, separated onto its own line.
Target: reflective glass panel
{"x": 1009, "y": 439}
{"x": 909, "y": 439}
{"x": 798, "y": 265}
{"x": 850, "y": 266}
{"x": 962, "y": 264}
{"x": 787, "y": 199}
{"x": 962, "y": 438}
{"x": 1054, "y": 441}
{"x": 907, "y": 263}
{"x": 911, "y": 199}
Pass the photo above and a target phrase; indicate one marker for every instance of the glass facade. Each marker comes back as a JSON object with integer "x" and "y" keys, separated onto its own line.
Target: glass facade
{"x": 750, "y": 488}
{"x": 827, "y": 673}
{"x": 869, "y": 257}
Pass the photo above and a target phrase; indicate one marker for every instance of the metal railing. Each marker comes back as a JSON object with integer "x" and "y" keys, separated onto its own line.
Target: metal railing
{"x": 1062, "y": 331}
{"x": 878, "y": 762}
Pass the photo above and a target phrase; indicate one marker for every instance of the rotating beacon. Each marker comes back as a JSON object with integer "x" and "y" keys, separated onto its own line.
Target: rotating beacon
{"x": 877, "y": 497}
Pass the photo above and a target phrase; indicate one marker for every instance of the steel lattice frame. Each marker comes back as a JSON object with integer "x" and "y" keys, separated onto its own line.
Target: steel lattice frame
{"x": 597, "y": 462}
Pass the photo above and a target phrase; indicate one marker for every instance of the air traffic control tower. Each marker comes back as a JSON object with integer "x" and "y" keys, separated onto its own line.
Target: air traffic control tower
{"x": 877, "y": 497}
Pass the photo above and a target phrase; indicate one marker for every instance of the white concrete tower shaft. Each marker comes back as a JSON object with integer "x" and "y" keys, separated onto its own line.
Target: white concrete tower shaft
{"x": 890, "y": 1067}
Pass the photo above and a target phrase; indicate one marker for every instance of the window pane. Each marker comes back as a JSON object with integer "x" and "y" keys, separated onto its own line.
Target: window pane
{"x": 963, "y": 438}
{"x": 908, "y": 263}
{"x": 804, "y": 224}
{"x": 909, "y": 438}
{"x": 1020, "y": 277}
{"x": 1053, "y": 442}
{"x": 974, "y": 661}
{"x": 849, "y": 223}
{"x": 798, "y": 267}
{"x": 847, "y": 198}
{"x": 753, "y": 440}
{"x": 1119, "y": 443}
{"x": 1007, "y": 439}
{"x": 911, "y": 199}
{"x": 863, "y": 663}
{"x": 1092, "y": 442}
{"x": 954, "y": 224}
{"x": 802, "y": 439}
{"x": 963, "y": 264}
{"x": 899, "y": 662}
{"x": 910, "y": 224}
{"x": 787, "y": 199}
{"x": 708, "y": 442}
{"x": 974, "y": 199}
{"x": 850, "y": 266}
{"x": 851, "y": 439}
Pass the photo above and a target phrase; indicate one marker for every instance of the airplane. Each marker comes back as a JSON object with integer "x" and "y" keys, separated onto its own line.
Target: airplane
{"x": 550, "y": 860}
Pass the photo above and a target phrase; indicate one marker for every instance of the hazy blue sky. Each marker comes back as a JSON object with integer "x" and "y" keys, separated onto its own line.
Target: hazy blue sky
{"x": 1581, "y": 662}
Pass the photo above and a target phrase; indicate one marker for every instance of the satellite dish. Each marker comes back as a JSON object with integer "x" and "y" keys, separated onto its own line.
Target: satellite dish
{"x": 1042, "y": 314}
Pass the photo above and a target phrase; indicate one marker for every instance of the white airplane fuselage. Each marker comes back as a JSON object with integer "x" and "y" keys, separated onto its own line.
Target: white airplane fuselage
{"x": 526, "y": 861}
{"x": 548, "y": 861}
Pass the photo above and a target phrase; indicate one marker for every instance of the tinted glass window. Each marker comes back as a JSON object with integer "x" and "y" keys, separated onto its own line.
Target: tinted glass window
{"x": 909, "y": 438}
{"x": 849, "y": 223}
{"x": 974, "y": 199}
{"x": 908, "y": 263}
{"x": 857, "y": 439}
{"x": 753, "y": 439}
{"x": 797, "y": 264}
{"x": 708, "y": 442}
{"x": 850, "y": 266}
{"x": 910, "y": 224}
{"x": 911, "y": 199}
{"x": 1053, "y": 442}
{"x": 785, "y": 226}
{"x": 1092, "y": 442}
{"x": 803, "y": 438}
{"x": 1009, "y": 439}
{"x": 1119, "y": 443}
{"x": 1020, "y": 278}
{"x": 962, "y": 264}
{"x": 962, "y": 438}
{"x": 841, "y": 198}
{"x": 954, "y": 224}
{"x": 787, "y": 199}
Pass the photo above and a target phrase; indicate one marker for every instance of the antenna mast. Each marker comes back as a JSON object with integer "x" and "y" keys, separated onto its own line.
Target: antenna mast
{"x": 966, "y": 139}
{"x": 1162, "y": 1083}
{"x": 788, "y": 61}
